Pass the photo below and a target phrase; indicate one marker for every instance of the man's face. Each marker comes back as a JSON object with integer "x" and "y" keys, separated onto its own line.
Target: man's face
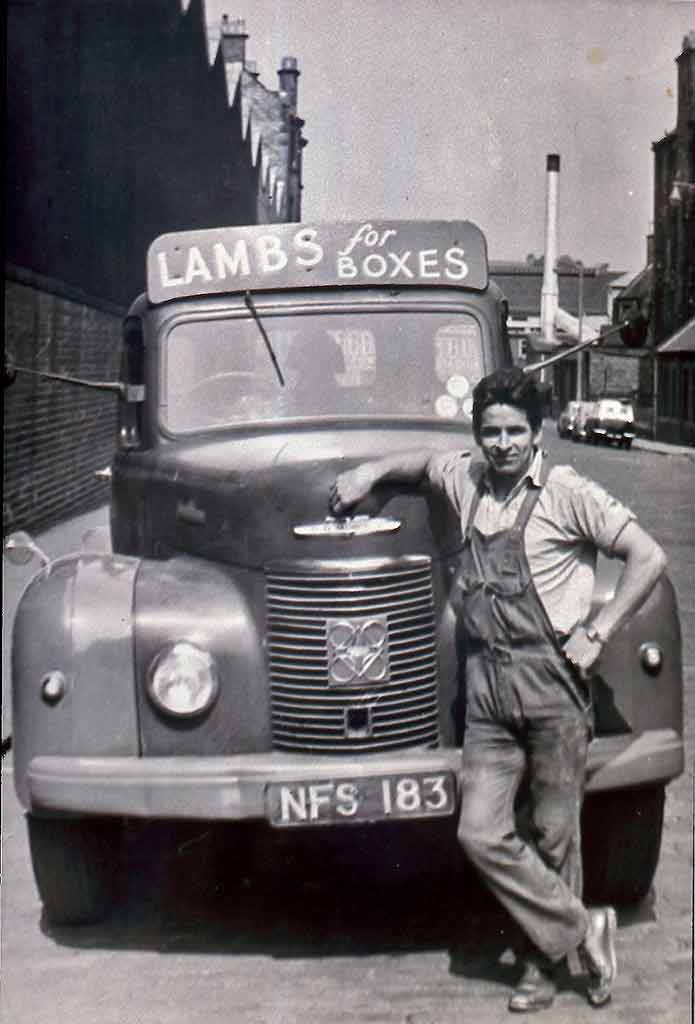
{"x": 507, "y": 441}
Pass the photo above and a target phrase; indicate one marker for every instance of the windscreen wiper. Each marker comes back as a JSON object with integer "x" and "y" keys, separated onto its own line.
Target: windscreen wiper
{"x": 254, "y": 313}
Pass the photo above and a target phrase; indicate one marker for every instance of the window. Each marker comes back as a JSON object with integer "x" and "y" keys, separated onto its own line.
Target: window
{"x": 218, "y": 372}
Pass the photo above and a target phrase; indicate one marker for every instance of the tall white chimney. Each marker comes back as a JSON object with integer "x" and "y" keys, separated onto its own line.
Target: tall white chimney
{"x": 550, "y": 291}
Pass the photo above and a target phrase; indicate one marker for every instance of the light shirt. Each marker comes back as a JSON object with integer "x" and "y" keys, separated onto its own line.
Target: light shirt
{"x": 572, "y": 520}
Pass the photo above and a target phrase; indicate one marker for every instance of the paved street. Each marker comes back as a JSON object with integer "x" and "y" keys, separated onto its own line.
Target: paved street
{"x": 333, "y": 940}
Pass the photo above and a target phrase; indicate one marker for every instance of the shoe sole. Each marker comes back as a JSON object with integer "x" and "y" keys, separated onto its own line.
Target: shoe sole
{"x": 612, "y": 927}
{"x": 541, "y": 1004}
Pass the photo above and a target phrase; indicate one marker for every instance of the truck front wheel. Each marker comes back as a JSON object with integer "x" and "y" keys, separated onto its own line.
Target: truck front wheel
{"x": 621, "y": 840}
{"x": 74, "y": 863}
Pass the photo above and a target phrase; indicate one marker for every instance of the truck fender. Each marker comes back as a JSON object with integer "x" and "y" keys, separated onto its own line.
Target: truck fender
{"x": 73, "y": 678}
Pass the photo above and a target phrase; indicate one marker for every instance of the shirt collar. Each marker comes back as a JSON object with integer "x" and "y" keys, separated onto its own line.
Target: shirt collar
{"x": 534, "y": 475}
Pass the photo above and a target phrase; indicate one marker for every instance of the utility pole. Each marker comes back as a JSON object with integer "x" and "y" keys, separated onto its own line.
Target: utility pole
{"x": 580, "y": 318}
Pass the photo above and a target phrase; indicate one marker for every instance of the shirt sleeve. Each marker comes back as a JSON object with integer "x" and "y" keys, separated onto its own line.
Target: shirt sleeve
{"x": 594, "y": 514}
{"x": 449, "y": 473}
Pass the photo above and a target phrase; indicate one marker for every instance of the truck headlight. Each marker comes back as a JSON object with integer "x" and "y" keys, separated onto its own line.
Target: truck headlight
{"x": 183, "y": 680}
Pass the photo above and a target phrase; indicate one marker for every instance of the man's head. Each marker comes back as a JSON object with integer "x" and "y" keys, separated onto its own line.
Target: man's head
{"x": 507, "y": 421}
{"x": 508, "y": 387}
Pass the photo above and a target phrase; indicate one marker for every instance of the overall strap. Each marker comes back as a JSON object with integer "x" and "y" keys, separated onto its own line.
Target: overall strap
{"x": 527, "y": 507}
{"x": 533, "y": 493}
{"x": 475, "y": 501}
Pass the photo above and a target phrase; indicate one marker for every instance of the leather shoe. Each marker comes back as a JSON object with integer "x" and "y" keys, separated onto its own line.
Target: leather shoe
{"x": 535, "y": 990}
{"x": 597, "y": 953}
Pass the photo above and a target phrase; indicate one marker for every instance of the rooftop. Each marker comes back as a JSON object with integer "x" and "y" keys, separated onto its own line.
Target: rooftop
{"x": 682, "y": 341}
{"x": 521, "y": 283}
{"x": 266, "y": 114}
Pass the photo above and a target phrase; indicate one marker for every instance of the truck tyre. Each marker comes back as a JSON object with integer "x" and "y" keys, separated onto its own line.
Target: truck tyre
{"x": 74, "y": 863}
{"x": 621, "y": 839}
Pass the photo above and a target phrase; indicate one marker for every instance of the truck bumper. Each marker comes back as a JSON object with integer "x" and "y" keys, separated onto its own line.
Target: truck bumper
{"x": 234, "y": 788}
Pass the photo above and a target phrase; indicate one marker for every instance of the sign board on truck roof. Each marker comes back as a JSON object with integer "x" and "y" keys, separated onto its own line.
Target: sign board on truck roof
{"x": 235, "y": 259}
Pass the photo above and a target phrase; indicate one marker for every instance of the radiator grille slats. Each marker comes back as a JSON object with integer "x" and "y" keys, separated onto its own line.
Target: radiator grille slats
{"x": 309, "y": 711}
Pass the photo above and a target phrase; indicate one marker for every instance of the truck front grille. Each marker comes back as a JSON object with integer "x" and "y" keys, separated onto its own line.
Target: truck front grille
{"x": 352, "y": 657}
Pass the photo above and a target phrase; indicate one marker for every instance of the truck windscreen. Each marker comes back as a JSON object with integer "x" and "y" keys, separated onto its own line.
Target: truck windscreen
{"x": 218, "y": 372}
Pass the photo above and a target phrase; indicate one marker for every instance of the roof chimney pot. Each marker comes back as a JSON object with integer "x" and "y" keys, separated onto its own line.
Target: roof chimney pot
{"x": 233, "y": 38}
{"x": 287, "y": 77}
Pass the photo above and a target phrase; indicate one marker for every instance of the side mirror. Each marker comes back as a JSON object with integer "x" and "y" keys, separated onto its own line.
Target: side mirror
{"x": 20, "y": 549}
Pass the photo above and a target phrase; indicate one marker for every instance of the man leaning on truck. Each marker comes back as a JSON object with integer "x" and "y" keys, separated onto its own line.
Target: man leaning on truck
{"x": 523, "y": 593}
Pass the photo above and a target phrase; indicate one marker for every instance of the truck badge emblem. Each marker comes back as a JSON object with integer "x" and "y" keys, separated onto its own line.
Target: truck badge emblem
{"x": 357, "y": 651}
{"x": 349, "y": 526}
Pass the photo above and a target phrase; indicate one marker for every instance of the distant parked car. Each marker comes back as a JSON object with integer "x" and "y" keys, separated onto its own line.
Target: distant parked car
{"x": 567, "y": 419}
{"x": 611, "y": 419}
{"x": 584, "y": 411}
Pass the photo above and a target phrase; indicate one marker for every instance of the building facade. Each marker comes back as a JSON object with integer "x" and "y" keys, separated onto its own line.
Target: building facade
{"x": 674, "y": 208}
{"x": 119, "y": 128}
{"x": 673, "y": 296}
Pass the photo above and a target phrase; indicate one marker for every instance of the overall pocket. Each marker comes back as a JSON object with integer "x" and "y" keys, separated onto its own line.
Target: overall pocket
{"x": 513, "y": 612}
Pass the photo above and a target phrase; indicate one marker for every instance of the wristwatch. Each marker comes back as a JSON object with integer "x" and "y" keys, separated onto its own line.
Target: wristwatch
{"x": 594, "y": 635}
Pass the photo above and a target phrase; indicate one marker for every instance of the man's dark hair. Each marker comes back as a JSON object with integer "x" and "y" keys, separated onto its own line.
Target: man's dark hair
{"x": 509, "y": 387}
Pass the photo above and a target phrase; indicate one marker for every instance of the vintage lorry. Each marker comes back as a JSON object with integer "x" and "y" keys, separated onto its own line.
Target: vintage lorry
{"x": 243, "y": 658}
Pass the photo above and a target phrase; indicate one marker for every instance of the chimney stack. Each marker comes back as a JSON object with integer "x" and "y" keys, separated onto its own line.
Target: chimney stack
{"x": 550, "y": 290}
{"x": 233, "y": 38}
{"x": 287, "y": 77}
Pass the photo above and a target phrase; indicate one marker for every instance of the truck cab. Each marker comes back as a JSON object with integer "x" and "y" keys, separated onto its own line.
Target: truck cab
{"x": 244, "y": 657}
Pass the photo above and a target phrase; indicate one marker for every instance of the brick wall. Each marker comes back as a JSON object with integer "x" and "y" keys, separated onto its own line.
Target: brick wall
{"x": 56, "y": 435}
{"x": 613, "y": 374}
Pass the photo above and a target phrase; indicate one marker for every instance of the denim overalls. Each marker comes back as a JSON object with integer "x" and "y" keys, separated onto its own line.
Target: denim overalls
{"x": 527, "y": 716}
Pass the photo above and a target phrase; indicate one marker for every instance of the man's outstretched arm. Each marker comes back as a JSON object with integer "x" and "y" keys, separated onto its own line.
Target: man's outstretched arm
{"x": 355, "y": 484}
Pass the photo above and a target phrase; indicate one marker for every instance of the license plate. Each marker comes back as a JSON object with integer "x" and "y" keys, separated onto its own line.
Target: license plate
{"x": 377, "y": 798}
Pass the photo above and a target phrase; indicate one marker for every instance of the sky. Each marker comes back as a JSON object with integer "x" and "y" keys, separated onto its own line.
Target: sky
{"x": 446, "y": 109}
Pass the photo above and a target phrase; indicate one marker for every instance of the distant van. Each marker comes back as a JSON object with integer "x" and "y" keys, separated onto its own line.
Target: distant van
{"x": 611, "y": 419}
{"x": 567, "y": 419}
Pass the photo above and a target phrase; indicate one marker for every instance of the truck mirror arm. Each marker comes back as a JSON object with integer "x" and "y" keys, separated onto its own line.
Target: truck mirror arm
{"x": 129, "y": 392}
{"x": 537, "y": 367}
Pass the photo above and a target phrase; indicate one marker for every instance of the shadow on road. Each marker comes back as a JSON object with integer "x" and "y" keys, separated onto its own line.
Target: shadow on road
{"x": 196, "y": 890}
